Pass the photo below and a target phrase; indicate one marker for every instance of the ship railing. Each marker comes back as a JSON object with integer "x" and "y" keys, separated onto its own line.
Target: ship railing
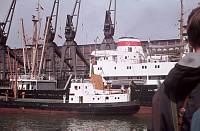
{"x": 80, "y": 81}
{"x": 126, "y": 81}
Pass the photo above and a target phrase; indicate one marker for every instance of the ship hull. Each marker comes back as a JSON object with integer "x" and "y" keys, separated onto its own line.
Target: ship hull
{"x": 121, "y": 108}
{"x": 143, "y": 93}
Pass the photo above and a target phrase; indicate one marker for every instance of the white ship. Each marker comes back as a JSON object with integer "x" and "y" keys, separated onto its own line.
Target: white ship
{"x": 129, "y": 62}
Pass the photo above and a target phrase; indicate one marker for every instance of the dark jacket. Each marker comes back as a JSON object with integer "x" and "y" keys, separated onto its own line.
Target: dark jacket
{"x": 183, "y": 80}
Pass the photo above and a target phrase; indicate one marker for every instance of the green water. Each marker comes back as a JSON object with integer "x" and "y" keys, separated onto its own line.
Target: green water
{"x": 49, "y": 122}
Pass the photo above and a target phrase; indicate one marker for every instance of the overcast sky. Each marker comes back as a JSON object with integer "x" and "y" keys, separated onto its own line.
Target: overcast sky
{"x": 144, "y": 19}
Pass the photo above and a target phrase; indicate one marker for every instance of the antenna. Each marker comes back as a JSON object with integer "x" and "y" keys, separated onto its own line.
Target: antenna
{"x": 181, "y": 23}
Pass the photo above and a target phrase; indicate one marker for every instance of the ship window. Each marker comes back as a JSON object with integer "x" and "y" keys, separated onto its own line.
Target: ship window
{"x": 157, "y": 66}
{"x": 115, "y": 98}
{"x": 128, "y": 67}
{"x": 144, "y": 67}
{"x": 107, "y": 97}
{"x": 130, "y": 77}
{"x": 129, "y": 49}
{"x": 98, "y": 98}
{"x": 118, "y": 97}
{"x": 105, "y": 58}
{"x": 28, "y": 85}
{"x": 115, "y": 78}
{"x": 106, "y": 78}
{"x": 71, "y": 99}
{"x": 162, "y": 77}
{"x": 125, "y": 57}
{"x": 139, "y": 77}
{"x": 85, "y": 87}
{"x": 99, "y": 68}
{"x": 79, "y": 87}
{"x": 75, "y": 87}
{"x": 93, "y": 98}
{"x": 115, "y": 67}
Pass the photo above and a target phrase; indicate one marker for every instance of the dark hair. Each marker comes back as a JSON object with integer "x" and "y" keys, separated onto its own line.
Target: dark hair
{"x": 193, "y": 28}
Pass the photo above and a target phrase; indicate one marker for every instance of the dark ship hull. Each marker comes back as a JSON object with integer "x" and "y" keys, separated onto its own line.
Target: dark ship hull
{"x": 121, "y": 108}
{"x": 142, "y": 93}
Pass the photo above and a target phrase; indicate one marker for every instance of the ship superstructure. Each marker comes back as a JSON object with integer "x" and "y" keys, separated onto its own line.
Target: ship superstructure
{"x": 128, "y": 62}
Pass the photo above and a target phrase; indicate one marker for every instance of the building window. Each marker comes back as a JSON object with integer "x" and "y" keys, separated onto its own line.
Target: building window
{"x": 125, "y": 57}
{"x": 85, "y": 87}
{"x": 115, "y": 68}
{"x": 76, "y": 87}
{"x": 71, "y": 99}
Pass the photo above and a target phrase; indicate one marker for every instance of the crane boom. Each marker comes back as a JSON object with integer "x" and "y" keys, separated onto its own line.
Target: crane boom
{"x": 71, "y": 28}
{"x": 53, "y": 18}
{"x": 4, "y": 32}
{"x": 5, "y": 26}
{"x": 49, "y": 49}
{"x": 70, "y": 44}
{"x": 109, "y": 27}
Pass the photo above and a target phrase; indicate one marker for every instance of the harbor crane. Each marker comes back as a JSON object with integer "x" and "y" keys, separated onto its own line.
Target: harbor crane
{"x": 109, "y": 27}
{"x": 70, "y": 44}
{"x": 50, "y": 47}
{"x": 4, "y": 33}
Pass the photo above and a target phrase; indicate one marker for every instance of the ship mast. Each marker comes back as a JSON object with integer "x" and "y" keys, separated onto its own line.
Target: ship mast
{"x": 181, "y": 24}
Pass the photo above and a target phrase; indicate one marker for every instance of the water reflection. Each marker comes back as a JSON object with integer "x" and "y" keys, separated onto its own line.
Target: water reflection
{"x": 40, "y": 122}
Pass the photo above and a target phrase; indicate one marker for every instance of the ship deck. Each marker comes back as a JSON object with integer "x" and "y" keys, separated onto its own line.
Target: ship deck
{"x": 40, "y": 100}
{"x": 36, "y": 100}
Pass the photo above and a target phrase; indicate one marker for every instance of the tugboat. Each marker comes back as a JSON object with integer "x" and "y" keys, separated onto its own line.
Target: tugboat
{"x": 86, "y": 96}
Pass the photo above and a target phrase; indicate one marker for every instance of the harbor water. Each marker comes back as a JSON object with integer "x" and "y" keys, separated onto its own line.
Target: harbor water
{"x": 59, "y": 122}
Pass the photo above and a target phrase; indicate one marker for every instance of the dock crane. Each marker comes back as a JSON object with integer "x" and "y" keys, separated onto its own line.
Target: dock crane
{"x": 109, "y": 28}
{"x": 70, "y": 44}
{"x": 50, "y": 48}
{"x": 4, "y": 33}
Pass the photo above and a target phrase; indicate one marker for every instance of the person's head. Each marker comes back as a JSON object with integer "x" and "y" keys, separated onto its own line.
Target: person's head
{"x": 193, "y": 28}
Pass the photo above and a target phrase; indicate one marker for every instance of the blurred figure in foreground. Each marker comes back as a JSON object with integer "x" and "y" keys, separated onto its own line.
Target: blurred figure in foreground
{"x": 179, "y": 95}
